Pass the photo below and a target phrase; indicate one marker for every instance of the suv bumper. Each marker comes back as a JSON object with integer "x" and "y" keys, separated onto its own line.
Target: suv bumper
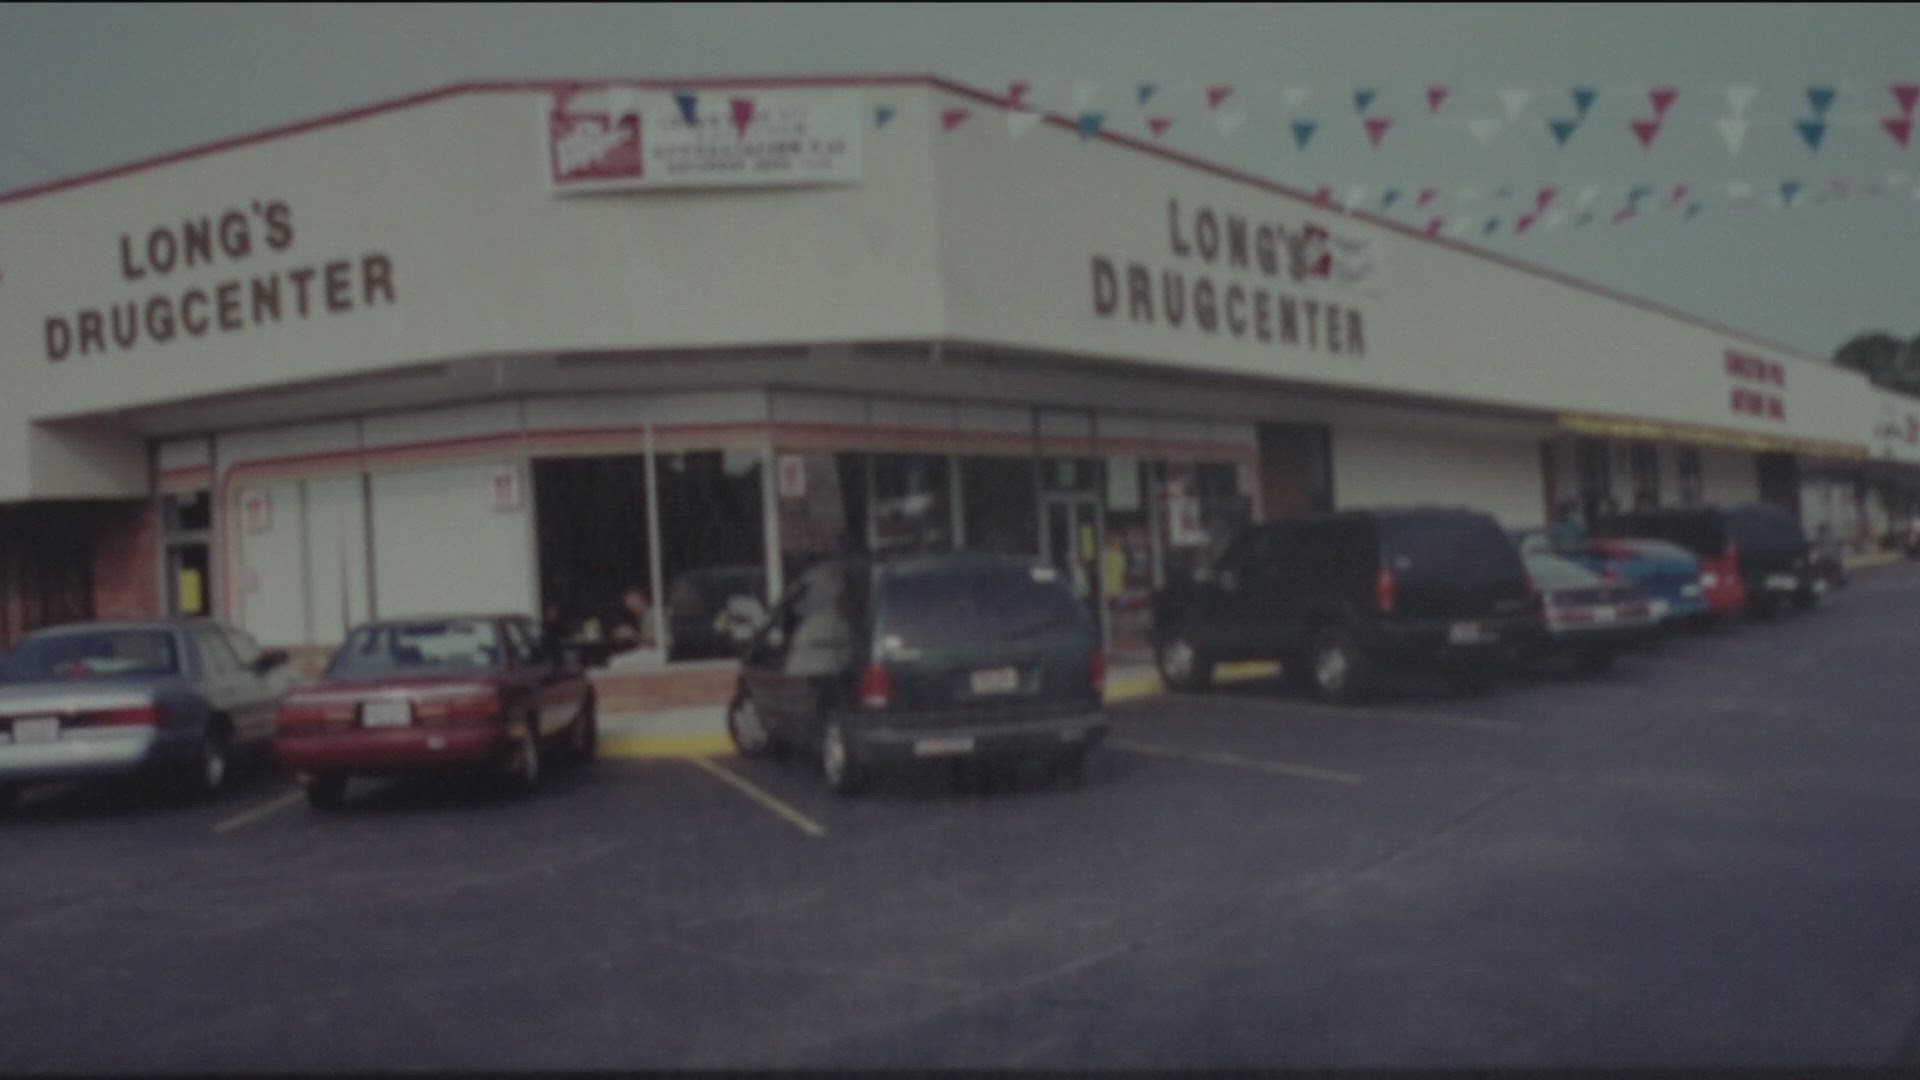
{"x": 882, "y": 743}
{"x": 1416, "y": 639}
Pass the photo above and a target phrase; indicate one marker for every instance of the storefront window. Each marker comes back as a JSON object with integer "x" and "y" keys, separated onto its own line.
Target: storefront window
{"x": 1595, "y": 469}
{"x": 998, "y": 504}
{"x": 1127, "y": 557}
{"x": 1645, "y": 463}
{"x": 1687, "y": 466}
{"x": 713, "y": 541}
{"x": 591, "y": 523}
{"x": 910, "y": 505}
{"x": 822, "y": 508}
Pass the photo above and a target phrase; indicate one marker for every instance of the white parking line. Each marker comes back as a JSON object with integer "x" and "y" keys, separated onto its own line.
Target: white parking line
{"x": 1238, "y": 761}
{"x": 1347, "y": 713}
{"x": 752, "y": 791}
{"x": 249, "y": 817}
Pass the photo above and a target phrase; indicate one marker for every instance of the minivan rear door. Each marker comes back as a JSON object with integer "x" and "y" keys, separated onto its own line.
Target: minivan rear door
{"x": 1451, "y": 564}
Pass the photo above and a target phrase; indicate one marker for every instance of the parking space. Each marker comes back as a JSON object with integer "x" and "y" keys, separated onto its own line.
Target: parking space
{"x": 1244, "y": 876}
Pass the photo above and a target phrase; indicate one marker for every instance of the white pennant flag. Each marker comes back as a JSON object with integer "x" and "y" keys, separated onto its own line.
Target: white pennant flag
{"x": 1739, "y": 189}
{"x": 1554, "y": 219}
{"x": 1295, "y": 96}
{"x": 1515, "y": 101}
{"x": 1019, "y": 122}
{"x": 1739, "y": 97}
{"x": 1735, "y": 132}
{"x": 1485, "y": 128}
{"x": 1083, "y": 95}
{"x": 1462, "y": 224}
{"x": 1230, "y": 123}
{"x": 1588, "y": 195}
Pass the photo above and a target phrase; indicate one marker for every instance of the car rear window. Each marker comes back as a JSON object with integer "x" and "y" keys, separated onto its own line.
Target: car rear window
{"x": 1764, "y": 528}
{"x": 969, "y": 605}
{"x": 105, "y": 654}
{"x": 1449, "y": 547}
{"x": 428, "y": 647}
{"x": 1549, "y": 572}
{"x": 1700, "y": 533}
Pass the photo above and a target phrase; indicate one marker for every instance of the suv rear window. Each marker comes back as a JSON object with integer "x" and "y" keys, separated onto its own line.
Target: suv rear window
{"x": 97, "y": 654}
{"x": 1764, "y": 528}
{"x": 956, "y": 606}
{"x": 1450, "y": 547}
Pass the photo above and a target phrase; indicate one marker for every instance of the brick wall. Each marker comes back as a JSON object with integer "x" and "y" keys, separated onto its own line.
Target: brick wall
{"x": 126, "y": 579}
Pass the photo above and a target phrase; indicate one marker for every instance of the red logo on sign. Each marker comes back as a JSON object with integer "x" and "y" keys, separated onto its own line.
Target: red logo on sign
{"x": 593, "y": 146}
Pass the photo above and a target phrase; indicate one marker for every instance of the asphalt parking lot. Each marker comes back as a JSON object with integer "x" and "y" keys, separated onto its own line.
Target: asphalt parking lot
{"x": 1709, "y": 857}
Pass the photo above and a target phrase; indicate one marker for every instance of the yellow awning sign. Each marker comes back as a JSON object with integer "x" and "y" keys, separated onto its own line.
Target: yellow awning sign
{"x": 1616, "y": 428}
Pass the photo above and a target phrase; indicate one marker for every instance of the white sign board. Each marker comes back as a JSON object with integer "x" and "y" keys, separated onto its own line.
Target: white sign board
{"x": 621, "y": 140}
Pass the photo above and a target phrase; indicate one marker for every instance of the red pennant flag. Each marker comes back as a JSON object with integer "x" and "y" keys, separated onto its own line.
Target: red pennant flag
{"x": 1159, "y": 125}
{"x": 1678, "y": 196}
{"x": 1434, "y": 226}
{"x": 742, "y": 114}
{"x": 1017, "y": 93}
{"x": 1662, "y": 97}
{"x": 1545, "y": 198}
{"x": 1377, "y": 128}
{"x": 1906, "y": 94}
{"x": 1427, "y": 195}
{"x": 1525, "y": 223}
{"x": 1900, "y": 127}
{"x": 953, "y": 118}
{"x": 1645, "y": 130}
{"x": 1324, "y": 196}
{"x": 1436, "y": 96}
{"x": 1216, "y": 95}
{"x": 1625, "y": 213}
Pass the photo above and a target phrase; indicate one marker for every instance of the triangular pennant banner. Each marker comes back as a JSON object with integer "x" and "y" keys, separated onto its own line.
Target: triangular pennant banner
{"x": 1553, "y": 220}
{"x": 1427, "y": 195}
{"x": 1515, "y": 101}
{"x": 883, "y": 115}
{"x": 1230, "y": 122}
{"x": 1090, "y": 124}
{"x": 1217, "y": 94}
{"x": 1462, "y": 224}
{"x": 1812, "y": 131}
{"x": 1677, "y": 196}
{"x": 953, "y": 118}
{"x": 1734, "y": 132}
{"x": 1377, "y": 129}
{"x": 1303, "y": 132}
{"x": 1144, "y": 93}
{"x": 1788, "y": 189}
{"x": 1295, "y": 96}
{"x": 1492, "y": 226}
{"x": 1021, "y": 122}
{"x": 1436, "y": 97}
{"x": 1363, "y": 99}
{"x": 1544, "y": 197}
{"x": 1693, "y": 210}
{"x": 1583, "y": 99}
{"x": 1159, "y": 125}
{"x": 1355, "y": 195}
{"x": 1562, "y": 131}
{"x": 1524, "y": 223}
{"x": 1662, "y": 98}
{"x": 1739, "y": 97}
{"x": 1017, "y": 93}
{"x": 1820, "y": 99}
{"x": 742, "y": 110}
{"x": 1624, "y": 213}
{"x": 1638, "y": 192}
{"x": 1484, "y": 129}
{"x": 689, "y": 107}
{"x": 1646, "y": 131}
{"x": 1434, "y": 225}
{"x": 1588, "y": 195}
{"x": 1900, "y": 127}
{"x": 1585, "y": 220}
{"x": 1323, "y": 195}
{"x": 1389, "y": 197}
{"x": 1906, "y": 94}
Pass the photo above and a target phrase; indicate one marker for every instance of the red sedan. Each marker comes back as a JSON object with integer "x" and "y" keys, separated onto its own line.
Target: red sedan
{"x": 476, "y": 692}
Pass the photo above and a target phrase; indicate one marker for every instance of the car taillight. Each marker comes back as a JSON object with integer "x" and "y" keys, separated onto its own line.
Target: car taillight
{"x": 876, "y": 687}
{"x": 136, "y": 716}
{"x": 478, "y": 707}
{"x": 296, "y": 716}
{"x": 1732, "y": 554}
{"x": 1097, "y": 672}
{"x": 1383, "y": 590}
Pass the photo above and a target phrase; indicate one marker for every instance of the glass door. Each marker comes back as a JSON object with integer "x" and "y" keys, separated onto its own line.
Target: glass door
{"x": 1070, "y": 542}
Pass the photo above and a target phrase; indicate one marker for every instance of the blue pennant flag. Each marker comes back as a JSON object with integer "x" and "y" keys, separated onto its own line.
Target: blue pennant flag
{"x": 689, "y": 106}
{"x": 882, "y": 114}
{"x": 1090, "y": 123}
{"x": 1389, "y": 197}
{"x": 1505, "y": 192}
{"x": 1812, "y": 131}
{"x": 1821, "y": 98}
{"x": 1363, "y": 99}
{"x": 1693, "y": 210}
{"x": 1640, "y": 191}
{"x": 1562, "y": 130}
{"x": 1493, "y": 224}
{"x": 1788, "y": 189}
{"x": 1303, "y": 131}
{"x": 1146, "y": 92}
{"x": 1583, "y": 98}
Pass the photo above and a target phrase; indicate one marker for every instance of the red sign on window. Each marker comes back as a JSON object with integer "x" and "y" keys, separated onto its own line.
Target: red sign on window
{"x": 256, "y": 512}
{"x": 506, "y": 490}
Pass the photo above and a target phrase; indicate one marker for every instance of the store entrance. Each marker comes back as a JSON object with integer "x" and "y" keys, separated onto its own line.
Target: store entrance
{"x": 1070, "y": 542}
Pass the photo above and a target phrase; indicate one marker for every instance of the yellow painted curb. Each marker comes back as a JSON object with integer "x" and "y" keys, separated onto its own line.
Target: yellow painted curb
{"x": 665, "y": 746}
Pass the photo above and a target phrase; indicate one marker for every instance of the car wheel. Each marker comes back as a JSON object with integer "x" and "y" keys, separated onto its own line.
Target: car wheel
{"x": 1070, "y": 764}
{"x": 585, "y": 742}
{"x": 747, "y": 728}
{"x": 521, "y": 769}
{"x": 1182, "y": 665}
{"x": 327, "y": 790}
{"x": 212, "y": 767}
{"x": 1341, "y": 672}
{"x": 843, "y": 776}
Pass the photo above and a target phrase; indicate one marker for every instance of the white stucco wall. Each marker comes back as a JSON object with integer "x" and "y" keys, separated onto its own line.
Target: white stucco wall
{"x": 1376, "y": 466}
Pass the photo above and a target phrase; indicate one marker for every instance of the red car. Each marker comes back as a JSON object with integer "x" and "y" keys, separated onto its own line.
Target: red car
{"x": 477, "y": 693}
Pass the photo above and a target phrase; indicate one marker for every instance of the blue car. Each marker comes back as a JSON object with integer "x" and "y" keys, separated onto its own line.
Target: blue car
{"x": 1668, "y": 573}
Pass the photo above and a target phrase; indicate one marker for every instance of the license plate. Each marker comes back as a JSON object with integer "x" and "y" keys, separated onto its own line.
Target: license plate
{"x": 39, "y": 729}
{"x": 996, "y": 681}
{"x": 942, "y": 747}
{"x": 1689, "y": 590}
{"x": 1660, "y": 609}
{"x": 1603, "y": 614}
{"x": 1820, "y": 586}
{"x": 1466, "y": 633}
{"x": 1782, "y": 581}
{"x": 386, "y": 714}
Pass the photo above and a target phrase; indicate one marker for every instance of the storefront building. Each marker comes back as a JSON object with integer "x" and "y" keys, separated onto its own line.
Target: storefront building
{"x": 537, "y": 347}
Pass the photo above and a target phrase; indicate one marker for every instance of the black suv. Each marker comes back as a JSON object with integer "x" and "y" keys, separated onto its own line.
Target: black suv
{"x": 1759, "y": 543}
{"x": 1335, "y": 596}
{"x": 879, "y": 660}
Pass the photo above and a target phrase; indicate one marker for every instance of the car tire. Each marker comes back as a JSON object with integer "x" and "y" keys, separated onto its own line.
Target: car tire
{"x": 1182, "y": 665}
{"x": 1341, "y": 672}
{"x": 327, "y": 790}
{"x": 521, "y": 768}
{"x": 844, "y": 777}
{"x": 583, "y": 742}
{"x": 212, "y": 767}
{"x": 1475, "y": 675}
{"x": 748, "y": 729}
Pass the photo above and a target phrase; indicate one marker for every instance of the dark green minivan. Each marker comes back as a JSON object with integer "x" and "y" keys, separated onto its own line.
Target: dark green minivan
{"x": 878, "y": 661}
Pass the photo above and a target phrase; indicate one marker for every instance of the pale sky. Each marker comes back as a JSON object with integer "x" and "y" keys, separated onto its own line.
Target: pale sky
{"x": 89, "y": 86}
